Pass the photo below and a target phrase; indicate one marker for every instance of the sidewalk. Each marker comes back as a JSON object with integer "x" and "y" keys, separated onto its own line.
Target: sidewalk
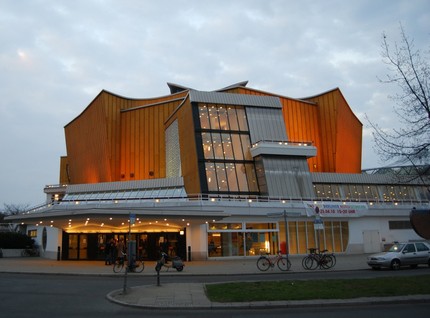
{"x": 212, "y": 267}
{"x": 191, "y": 295}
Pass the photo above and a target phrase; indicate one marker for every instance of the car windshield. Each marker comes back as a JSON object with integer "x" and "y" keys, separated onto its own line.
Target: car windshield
{"x": 396, "y": 248}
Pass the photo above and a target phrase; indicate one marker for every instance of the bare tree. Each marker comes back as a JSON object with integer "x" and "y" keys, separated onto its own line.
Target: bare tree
{"x": 11, "y": 209}
{"x": 409, "y": 71}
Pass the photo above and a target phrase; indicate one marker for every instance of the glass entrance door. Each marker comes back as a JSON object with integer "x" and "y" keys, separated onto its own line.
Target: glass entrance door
{"x": 83, "y": 246}
{"x": 73, "y": 246}
{"x": 78, "y": 246}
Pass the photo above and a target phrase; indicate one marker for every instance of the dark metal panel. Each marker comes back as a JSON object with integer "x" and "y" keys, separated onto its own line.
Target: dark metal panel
{"x": 235, "y": 99}
{"x": 287, "y": 178}
{"x": 356, "y": 178}
{"x": 266, "y": 124}
{"x": 126, "y": 185}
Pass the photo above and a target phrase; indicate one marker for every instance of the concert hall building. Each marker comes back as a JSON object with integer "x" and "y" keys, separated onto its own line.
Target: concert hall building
{"x": 229, "y": 173}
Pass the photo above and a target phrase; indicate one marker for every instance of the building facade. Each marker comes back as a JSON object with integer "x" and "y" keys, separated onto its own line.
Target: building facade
{"x": 234, "y": 172}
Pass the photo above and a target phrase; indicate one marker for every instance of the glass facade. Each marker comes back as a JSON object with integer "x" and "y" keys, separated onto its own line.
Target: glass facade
{"x": 302, "y": 236}
{"x": 142, "y": 194}
{"x": 242, "y": 239}
{"x": 229, "y": 167}
{"x": 371, "y": 192}
{"x": 249, "y": 239}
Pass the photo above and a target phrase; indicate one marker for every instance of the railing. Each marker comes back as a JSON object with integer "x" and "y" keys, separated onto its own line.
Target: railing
{"x": 284, "y": 143}
{"x": 220, "y": 198}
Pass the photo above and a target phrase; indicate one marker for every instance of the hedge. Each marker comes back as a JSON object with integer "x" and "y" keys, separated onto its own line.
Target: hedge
{"x": 15, "y": 240}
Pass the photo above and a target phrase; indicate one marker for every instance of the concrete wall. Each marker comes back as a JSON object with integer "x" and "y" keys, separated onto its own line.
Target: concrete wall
{"x": 197, "y": 240}
{"x": 10, "y": 252}
{"x": 359, "y": 227}
{"x": 54, "y": 240}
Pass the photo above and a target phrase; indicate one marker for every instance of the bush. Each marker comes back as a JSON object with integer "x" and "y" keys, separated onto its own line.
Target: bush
{"x": 15, "y": 240}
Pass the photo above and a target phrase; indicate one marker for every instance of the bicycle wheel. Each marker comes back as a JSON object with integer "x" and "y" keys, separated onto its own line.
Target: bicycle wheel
{"x": 139, "y": 266}
{"x": 331, "y": 260}
{"x": 118, "y": 266}
{"x": 309, "y": 262}
{"x": 333, "y": 257}
{"x": 283, "y": 263}
{"x": 326, "y": 261}
{"x": 263, "y": 264}
{"x": 25, "y": 253}
{"x": 304, "y": 261}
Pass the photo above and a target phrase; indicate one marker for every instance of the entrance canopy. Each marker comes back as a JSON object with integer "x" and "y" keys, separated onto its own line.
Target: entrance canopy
{"x": 93, "y": 217}
{"x": 156, "y": 205}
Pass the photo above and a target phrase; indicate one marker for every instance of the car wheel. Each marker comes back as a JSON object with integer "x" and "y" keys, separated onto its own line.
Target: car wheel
{"x": 395, "y": 264}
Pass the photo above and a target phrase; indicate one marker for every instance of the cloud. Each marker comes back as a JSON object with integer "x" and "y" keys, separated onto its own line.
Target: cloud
{"x": 56, "y": 56}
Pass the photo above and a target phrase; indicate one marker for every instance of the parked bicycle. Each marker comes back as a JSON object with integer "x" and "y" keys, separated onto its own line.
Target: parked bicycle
{"x": 318, "y": 259}
{"x": 264, "y": 262}
{"x": 30, "y": 251}
{"x": 136, "y": 266}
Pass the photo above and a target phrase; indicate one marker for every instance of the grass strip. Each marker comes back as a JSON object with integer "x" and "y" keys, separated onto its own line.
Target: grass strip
{"x": 318, "y": 289}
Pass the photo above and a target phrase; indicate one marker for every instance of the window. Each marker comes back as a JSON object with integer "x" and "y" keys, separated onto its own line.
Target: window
{"x": 226, "y": 145}
{"x": 242, "y": 239}
{"x": 32, "y": 233}
{"x": 363, "y": 192}
{"x": 253, "y": 238}
{"x": 409, "y": 248}
{"x": 327, "y": 191}
{"x": 221, "y": 177}
{"x": 232, "y": 177}
{"x": 225, "y": 226}
{"x": 232, "y": 118}
{"x": 204, "y": 117}
{"x": 236, "y": 145}
{"x": 399, "y": 225}
{"x": 211, "y": 177}
{"x": 421, "y": 247}
{"x": 254, "y": 226}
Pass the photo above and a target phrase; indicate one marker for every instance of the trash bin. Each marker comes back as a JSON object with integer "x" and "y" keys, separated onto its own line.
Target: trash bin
{"x": 283, "y": 247}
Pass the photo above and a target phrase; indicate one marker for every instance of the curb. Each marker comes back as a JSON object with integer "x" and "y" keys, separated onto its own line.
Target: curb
{"x": 316, "y": 303}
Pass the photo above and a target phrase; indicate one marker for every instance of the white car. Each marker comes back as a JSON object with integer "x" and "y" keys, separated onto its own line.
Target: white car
{"x": 401, "y": 254}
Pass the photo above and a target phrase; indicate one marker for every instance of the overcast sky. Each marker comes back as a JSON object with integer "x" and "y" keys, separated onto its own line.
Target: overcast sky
{"x": 56, "y": 56}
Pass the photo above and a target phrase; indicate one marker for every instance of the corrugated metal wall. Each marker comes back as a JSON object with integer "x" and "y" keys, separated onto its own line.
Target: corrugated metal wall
{"x": 106, "y": 143}
{"x": 327, "y": 121}
{"x": 285, "y": 178}
{"x": 265, "y": 124}
{"x": 187, "y": 143}
{"x": 143, "y": 153}
{"x": 64, "y": 163}
{"x": 302, "y": 124}
{"x": 341, "y": 134}
{"x": 88, "y": 144}
{"x": 349, "y": 139}
{"x": 93, "y": 139}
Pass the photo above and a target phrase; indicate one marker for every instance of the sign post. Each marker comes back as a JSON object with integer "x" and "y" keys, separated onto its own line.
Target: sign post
{"x": 318, "y": 225}
{"x": 130, "y": 261}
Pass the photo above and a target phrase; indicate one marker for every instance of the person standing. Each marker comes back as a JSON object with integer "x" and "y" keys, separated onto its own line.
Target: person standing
{"x": 108, "y": 252}
{"x": 113, "y": 250}
{"x": 120, "y": 248}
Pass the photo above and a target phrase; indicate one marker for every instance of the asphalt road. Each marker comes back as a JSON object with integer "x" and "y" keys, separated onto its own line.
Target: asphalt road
{"x": 35, "y": 295}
